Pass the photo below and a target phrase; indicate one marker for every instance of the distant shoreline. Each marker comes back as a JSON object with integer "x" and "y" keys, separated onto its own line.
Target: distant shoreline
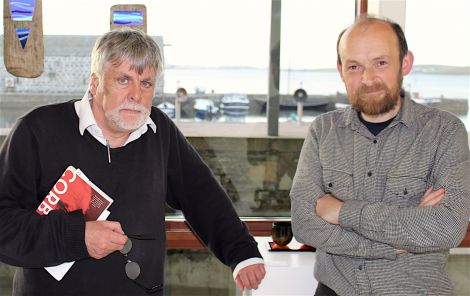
{"x": 418, "y": 69}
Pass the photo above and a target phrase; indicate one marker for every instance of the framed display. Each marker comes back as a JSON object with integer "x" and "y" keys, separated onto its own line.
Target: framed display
{"x": 129, "y": 15}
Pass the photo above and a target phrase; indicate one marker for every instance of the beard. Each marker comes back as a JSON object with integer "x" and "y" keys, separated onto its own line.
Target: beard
{"x": 380, "y": 104}
{"x": 115, "y": 116}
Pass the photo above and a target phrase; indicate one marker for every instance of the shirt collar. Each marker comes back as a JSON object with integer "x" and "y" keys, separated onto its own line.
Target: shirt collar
{"x": 407, "y": 112}
{"x": 86, "y": 120}
{"x": 84, "y": 113}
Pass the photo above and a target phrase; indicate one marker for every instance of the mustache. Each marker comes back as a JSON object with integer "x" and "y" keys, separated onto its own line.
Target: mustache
{"x": 132, "y": 106}
{"x": 372, "y": 88}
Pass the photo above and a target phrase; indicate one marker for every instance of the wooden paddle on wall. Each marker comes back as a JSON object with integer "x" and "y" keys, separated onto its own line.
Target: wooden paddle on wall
{"x": 23, "y": 45}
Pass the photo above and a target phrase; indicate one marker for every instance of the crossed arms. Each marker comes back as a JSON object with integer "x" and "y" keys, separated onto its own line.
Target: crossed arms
{"x": 372, "y": 230}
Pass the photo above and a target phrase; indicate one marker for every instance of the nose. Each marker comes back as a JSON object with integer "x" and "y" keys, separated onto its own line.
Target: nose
{"x": 368, "y": 76}
{"x": 135, "y": 92}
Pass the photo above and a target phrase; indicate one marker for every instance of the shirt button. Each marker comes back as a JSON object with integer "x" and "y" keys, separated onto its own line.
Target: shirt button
{"x": 330, "y": 184}
{"x": 360, "y": 267}
{"x": 369, "y": 174}
{"x": 375, "y": 141}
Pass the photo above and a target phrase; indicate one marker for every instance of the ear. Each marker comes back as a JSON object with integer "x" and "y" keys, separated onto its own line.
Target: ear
{"x": 94, "y": 82}
{"x": 407, "y": 63}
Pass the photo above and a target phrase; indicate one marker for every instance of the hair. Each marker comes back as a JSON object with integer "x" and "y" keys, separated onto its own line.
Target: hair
{"x": 126, "y": 44}
{"x": 402, "y": 45}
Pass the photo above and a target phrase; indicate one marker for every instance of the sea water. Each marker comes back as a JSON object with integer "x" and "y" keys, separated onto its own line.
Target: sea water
{"x": 255, "y": 81}
{"x": 328, "y": 82}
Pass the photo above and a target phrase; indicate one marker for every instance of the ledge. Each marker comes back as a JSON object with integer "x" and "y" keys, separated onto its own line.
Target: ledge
{"x": 237, "y": 129}
{"x": 180, "y": 236}
{"x": 288, "y": 129}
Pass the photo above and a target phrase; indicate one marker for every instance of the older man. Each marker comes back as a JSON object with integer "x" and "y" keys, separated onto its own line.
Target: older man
{"x": 135, "y": 154}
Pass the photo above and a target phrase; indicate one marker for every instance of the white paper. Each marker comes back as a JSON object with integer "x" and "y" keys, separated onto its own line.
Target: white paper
{"x": 60, "y": 270}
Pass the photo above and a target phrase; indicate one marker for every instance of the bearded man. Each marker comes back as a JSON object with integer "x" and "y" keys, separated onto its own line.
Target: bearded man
{"x": 382, "y": 187}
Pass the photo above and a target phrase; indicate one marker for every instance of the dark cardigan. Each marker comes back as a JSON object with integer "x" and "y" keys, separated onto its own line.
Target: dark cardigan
{"x": 157, "y": 168}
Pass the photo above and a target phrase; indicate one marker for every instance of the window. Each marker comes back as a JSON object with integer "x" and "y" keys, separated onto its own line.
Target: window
{"x": 440, "y": 41}
{"x": 219, "y": 52}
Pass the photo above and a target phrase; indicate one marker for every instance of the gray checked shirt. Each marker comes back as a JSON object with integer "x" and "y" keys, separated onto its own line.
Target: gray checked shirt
{"x": 381, "y": 180}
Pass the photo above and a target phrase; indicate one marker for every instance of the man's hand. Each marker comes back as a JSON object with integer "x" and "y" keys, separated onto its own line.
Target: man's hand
{"x": 432, "y": 198}
{"x": 328, "y": 208}
{"x": 250, "y": 277}
{"x": 103, "y": 237}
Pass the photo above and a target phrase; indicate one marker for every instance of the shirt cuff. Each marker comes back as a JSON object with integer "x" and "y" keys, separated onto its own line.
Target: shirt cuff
{"x": 246, "y": 263}
{"x": 350, "y": 214}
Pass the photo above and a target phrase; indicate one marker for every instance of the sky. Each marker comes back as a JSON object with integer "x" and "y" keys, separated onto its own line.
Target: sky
{"x": 236, "y": 32}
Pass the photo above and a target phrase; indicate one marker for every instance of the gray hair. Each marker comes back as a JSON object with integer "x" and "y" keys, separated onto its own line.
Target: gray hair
{"x": 126, "y": 44}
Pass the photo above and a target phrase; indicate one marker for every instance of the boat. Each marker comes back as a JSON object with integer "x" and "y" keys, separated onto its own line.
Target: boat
{"x": 427, "y": 101}
{"x": 167, "y": 108}
{"x": 235, "y": 105}
{"x": 286, "y": 103}
{"x": 312, "y": 102}
{"x": 339, "y": 105}
{"x": 205, "y": 109}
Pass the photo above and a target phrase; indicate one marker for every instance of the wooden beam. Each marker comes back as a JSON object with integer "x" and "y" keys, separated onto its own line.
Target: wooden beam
{"x": 363, "y": 8}
{"x": 180, "y": 236}
{"x": 466, "y": 241}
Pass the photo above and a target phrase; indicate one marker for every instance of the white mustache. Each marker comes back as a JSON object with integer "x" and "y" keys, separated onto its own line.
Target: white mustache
{"x": 132, "y": 106}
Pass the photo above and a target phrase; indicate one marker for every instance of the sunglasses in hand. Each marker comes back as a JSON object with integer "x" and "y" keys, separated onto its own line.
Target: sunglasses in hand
{"x": 132, "y": 268}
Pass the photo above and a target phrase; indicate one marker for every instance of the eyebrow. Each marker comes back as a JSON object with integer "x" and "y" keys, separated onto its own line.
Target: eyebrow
{"x": 350, "y": 62}
{"x": 127, "y": 76}
{"x": 382, "y": 57}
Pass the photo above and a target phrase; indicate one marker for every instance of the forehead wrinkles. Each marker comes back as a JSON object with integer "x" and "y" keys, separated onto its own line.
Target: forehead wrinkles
{"x": 132, "y": 67}
{"x": 138, "y": 61}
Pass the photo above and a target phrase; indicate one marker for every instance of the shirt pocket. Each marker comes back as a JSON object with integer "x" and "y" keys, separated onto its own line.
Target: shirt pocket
{"x": 404, "y": 190}
{"x": 338, "y": 183}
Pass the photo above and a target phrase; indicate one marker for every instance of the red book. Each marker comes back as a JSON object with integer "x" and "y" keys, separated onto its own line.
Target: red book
{"x": 74, "y": 191}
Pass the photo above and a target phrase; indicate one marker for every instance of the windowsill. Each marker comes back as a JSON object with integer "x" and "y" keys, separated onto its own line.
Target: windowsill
{"x": 4, "y": 131}
{"x": 208, "y": 129}
{"x": 287, "y": 129}
{"x": 180, "y": 236}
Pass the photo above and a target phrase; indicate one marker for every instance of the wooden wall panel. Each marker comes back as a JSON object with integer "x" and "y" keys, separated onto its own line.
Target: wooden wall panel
{"x": 180, "y": 236}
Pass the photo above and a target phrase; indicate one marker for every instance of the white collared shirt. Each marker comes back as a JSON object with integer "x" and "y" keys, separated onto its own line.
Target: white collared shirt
{"x": 87, "y": 122}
